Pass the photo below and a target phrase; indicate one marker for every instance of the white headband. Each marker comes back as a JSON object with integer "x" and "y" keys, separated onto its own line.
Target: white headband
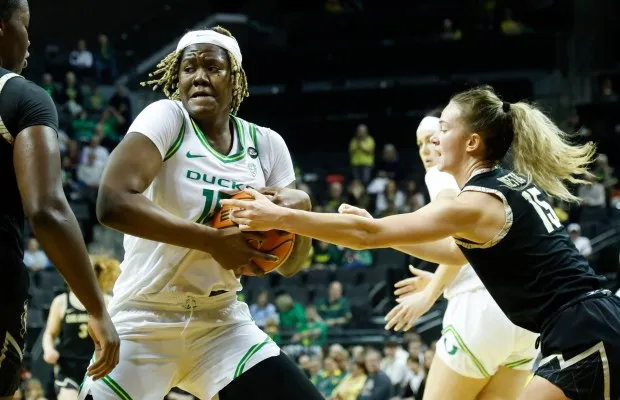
{"x": 429, "y": 124}
{"x": 211, "y": 37}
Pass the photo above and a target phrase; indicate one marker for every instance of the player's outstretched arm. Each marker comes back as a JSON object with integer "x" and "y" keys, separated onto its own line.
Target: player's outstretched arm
{"x": 290, "y": 197}
{"x": 122, "y": 206}
{"x": 434, "y": 222}
{"x": 36, "y": 160}
{"x": 442, "y": 251}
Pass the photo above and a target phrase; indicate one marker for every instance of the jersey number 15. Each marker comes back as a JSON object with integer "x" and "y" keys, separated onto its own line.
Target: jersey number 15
{"x": 543, "y": 209}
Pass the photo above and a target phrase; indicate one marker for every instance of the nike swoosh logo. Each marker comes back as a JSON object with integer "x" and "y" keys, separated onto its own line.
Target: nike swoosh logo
{"x": 190, "y": 155}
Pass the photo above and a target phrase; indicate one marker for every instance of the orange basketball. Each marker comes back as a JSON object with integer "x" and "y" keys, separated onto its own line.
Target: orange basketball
{"x": 276, "y": 242}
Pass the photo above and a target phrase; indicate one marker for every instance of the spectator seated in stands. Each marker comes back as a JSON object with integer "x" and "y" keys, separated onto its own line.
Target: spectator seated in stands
{"x": 263, "y": 310}
{"x": 356, "y": 259}
{"x": 89, "y": 174}
{"x": 340, "y": 355}
{"x": 582, "y": 243}
{"x": 335, "y": 309}
{"x": 336, "y": 197}
{"x": 391, "y": 196}
{"x": 34, "y": 257}
{"x": 292, "y": 315}
{"x": 51, "y": 87}
{"x": 394, "y": 364}
{"x": 313, "y": 336}
{"x": 101, "y": 153}
{"x": 272, "y": 329}
{"x": 81, "y": 59}
{"x": 71, "y": 97}
{"x": 352, "y": 384}
{"x": 83, "y": 128}
{"x": 415, "y": 377}
{"x": 325, "y": 255}
{"x": 377, "y": 385}
{"x": 356, "y": 195}
{"x": 329, "y": 377}
{"x": 105, "y": 61}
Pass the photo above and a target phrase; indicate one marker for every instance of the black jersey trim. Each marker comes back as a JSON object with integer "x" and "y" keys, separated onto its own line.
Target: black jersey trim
{"x": 505, "y": 229}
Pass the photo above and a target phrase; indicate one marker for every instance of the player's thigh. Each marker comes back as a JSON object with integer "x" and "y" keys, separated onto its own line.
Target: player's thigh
{"x": 67, "y": 394}
{"x": 443, "y": 383}
{"x": 477, "y": 337}
{"x": 541, "y": 389}
{"x": 218, "y": 355}
{"x": 146, "y": 371}
{"x": 505, "y": 384}
{"x": 275, "y": 378}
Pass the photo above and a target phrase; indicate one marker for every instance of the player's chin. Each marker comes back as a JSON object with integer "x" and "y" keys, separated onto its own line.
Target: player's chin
{"x": 202, "y": 109}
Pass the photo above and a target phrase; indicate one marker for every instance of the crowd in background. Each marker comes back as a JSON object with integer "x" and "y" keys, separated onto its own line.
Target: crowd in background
{"x": 93, "y": 119}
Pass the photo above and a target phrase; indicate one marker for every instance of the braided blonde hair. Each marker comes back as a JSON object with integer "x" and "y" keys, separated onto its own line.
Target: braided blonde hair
{"x": 168, "y": 72}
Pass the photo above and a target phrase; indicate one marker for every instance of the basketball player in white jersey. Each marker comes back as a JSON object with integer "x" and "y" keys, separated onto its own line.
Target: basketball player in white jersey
{"x": 175, "y": 304}
{"x": 481, "y": 354}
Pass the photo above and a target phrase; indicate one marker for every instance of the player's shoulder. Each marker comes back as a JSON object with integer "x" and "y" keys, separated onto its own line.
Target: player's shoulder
{"x": 24, "y": 89}
{"x": 260, "y": 131}
{"x": 164, "y": 107}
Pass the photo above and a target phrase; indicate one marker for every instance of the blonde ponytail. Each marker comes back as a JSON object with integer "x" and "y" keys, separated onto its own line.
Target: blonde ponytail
{"x": 543, "y": 154}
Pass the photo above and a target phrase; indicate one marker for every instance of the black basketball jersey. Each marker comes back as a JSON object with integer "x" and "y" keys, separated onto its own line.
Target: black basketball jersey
{"x": 531, "y": 267}
{"x": 22, "y": 104}
{"x": 74, "y": 341}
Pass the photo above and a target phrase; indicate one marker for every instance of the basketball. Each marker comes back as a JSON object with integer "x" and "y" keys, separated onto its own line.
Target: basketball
{"x": 276, "y": 242}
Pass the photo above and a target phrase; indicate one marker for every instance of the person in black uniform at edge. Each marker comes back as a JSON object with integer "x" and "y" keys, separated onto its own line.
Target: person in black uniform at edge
{"x": 503, "y": 226}
{"x": 31, "y": 179}
{"x": 67, "y": 322}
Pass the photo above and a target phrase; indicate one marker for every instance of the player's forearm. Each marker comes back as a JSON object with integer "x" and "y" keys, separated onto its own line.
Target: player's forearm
{"x": 298, "y": 257}
{"x": 58, "y": 231}
{"x": 48, "y": 342}
{"x": 344, "y": 230}
{"x": 443, "y": 277}
{"x": 299, "y": 200}
{"x": 442, "y": 251}
{"x": 134, "y": 214}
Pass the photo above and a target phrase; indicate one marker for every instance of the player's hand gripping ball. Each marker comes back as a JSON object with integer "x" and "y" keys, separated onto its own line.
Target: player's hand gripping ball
{"x": 275, "y": 242}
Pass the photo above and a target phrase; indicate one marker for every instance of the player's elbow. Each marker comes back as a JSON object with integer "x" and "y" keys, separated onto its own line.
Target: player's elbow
{"x": 110, "y": 206}
{"x": 48, "y": 211}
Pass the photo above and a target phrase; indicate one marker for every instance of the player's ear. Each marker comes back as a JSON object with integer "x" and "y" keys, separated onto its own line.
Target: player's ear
{"x": 474, "y": 142}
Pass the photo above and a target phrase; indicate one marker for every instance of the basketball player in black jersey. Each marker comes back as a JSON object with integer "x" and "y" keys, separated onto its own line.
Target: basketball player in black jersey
{"x": 65, "y": 341}
{"x": 502, "y": 224}
{"x": 31, "y": 179}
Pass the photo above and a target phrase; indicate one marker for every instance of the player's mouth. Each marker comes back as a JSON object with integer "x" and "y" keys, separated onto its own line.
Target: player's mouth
{"x": 201, "y": 95}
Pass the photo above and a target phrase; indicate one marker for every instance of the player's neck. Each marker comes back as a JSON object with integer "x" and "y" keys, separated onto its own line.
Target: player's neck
{"x": 472, "y": 168}
{"x": 216, "y": 128}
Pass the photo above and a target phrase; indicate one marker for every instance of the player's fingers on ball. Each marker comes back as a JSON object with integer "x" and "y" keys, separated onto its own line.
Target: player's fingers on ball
{"x": 254, "y": 235}
{"x": 236, "y": 203}
{"x": 265, "y": 256}
{"x": 254, "y": 193}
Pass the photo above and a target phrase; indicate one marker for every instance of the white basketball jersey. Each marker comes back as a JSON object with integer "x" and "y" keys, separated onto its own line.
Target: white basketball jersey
{"x": 467, "y": 279}
{"x": 193, "y": 179}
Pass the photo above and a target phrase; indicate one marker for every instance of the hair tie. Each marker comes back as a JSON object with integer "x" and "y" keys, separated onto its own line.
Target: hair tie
{"x": 506, "y": 106}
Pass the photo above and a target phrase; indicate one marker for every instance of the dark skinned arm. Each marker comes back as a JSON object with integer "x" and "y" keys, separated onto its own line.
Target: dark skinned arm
{"x": 36, "y": 159}
{"x": 122, "y": 206}
{"x": 292, "y": 198}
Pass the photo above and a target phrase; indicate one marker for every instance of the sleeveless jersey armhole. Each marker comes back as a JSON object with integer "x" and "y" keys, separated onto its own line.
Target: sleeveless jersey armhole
{"x": 176, "y": 145}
